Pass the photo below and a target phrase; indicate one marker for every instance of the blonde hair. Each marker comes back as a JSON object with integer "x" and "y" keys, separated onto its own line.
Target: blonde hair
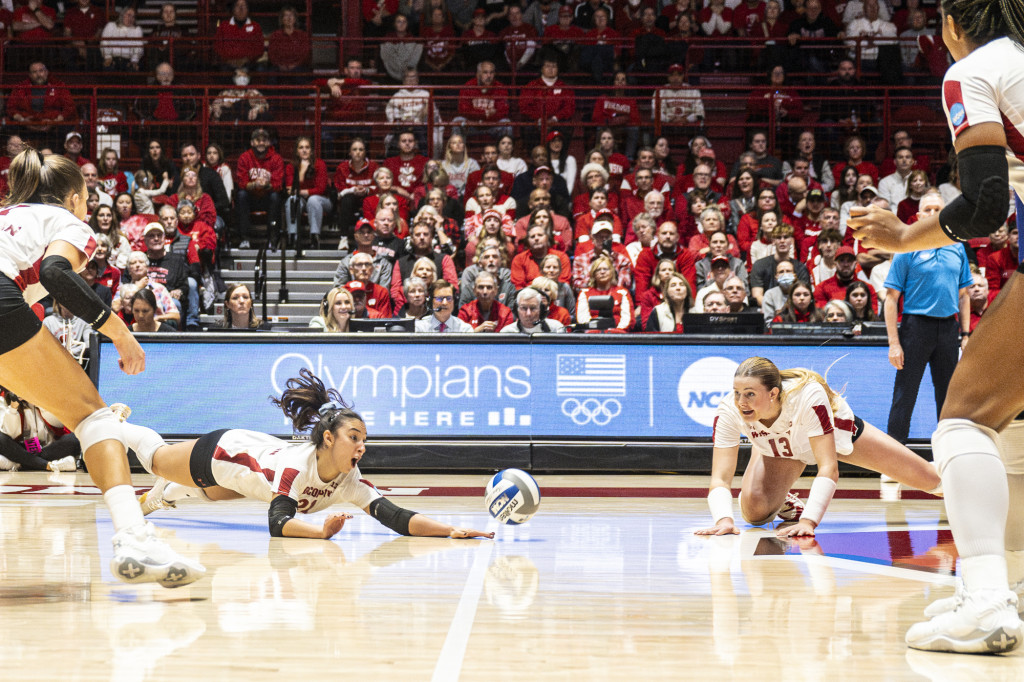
{"x": 547, "y": 286}
{"x": 35, "y": 180}
{"x": 597, "y": 263}
{"x": 327, "y": 307}
{"x": 765, "y": 371}
{"x": 425, "y": 261}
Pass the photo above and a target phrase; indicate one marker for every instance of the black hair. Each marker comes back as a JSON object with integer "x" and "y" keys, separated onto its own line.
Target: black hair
{"x": 986, "y": 20}
{"x": 310, "y": 404}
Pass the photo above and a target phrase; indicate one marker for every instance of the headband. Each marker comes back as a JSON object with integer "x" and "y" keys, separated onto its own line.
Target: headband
{"x": 326, "y": 408}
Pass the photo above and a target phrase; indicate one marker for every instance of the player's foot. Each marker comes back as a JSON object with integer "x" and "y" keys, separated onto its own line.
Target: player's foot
{"x": 792, "y": 509}
{"x": 985, "y": 622}
{"x": 941, "y": 606}
{"x": 63, "y": 464}
{"x": 8, "y": 465}
{"x": 121, "y": 410}
{"x": 153, "y": 499}
{"x": 141, "y": 557}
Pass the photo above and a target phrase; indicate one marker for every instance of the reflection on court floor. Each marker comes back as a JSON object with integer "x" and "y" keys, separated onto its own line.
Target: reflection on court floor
{"x": 613, "y": 587}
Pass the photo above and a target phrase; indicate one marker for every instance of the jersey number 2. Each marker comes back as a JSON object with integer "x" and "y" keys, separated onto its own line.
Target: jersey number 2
{"x": 787, "y": 451}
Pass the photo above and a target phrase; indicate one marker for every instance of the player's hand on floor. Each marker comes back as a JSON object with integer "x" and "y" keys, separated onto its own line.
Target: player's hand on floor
{"x": 333, "y": 524}
{"x": 799, "y": 529}
{"x": 469, "y": 533}
{"x": 723, "y": 527}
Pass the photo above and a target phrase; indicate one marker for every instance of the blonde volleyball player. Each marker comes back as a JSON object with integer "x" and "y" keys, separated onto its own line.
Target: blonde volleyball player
{"x": 793, "y": 418}
{"x": 43, "y": 244}
{"x": 978, "y": 446}
{"x": 292, "y": 477}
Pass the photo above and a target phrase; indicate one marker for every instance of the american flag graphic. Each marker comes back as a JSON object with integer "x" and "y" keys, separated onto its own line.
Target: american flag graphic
{"x": 591, "y": 375}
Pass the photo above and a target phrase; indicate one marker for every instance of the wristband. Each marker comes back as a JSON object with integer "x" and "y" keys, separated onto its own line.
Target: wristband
{"x": 821, "y": 493}
{"x": 720, "y": 503}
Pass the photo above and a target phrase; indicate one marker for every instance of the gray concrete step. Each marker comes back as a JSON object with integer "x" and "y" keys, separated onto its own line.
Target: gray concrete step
{"x": 304, "y": 264}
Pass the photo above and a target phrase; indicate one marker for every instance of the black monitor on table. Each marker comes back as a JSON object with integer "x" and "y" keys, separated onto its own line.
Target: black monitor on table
{"x": 723, "y": 323}
{"x": 402, "y": 325}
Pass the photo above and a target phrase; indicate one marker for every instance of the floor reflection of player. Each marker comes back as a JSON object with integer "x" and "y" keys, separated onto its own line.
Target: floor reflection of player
{"x": 292, "y": 477}
{"x": 793, "y": 418}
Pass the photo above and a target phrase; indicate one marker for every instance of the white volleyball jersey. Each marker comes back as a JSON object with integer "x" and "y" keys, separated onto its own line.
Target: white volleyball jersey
{"x": 805, "y": 413}
{"x": 25, "y": 233}
{"x": 260, "y": 466}
{"x": 987, "y": 86}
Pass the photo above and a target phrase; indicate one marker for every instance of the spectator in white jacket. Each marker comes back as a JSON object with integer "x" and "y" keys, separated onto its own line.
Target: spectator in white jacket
{"x": 121, "y": 43}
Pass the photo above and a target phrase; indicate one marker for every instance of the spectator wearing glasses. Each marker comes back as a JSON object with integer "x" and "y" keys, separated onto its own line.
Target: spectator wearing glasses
{"x": 531, "y": 315}
{"x": 441, "y": 297}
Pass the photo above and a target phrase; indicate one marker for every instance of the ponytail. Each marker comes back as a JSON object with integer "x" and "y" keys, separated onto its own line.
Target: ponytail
{"x": 806, "y": 376}
{"x": 986, "y": 20}
{"x": 36, "y": 180}
{"x": 308, "y": 403}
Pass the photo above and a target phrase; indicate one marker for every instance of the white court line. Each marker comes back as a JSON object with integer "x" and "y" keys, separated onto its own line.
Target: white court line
{"x": 449, "y": 663}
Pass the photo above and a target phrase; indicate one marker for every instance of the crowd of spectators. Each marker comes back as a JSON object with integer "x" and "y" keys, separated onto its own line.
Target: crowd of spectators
{"x": 519, "y": 221}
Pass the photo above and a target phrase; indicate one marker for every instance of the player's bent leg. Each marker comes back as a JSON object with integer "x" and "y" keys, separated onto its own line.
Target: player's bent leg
{"x": 766, "y": 482}
{"x": 985, "y": 620}
{"x": 877, "y": 451}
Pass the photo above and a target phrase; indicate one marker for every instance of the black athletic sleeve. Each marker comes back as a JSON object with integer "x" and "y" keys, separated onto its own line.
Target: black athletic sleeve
{"x": 282, "y": 510}
{"x": 71, "y": 291}
{"x": 983, "y": 206}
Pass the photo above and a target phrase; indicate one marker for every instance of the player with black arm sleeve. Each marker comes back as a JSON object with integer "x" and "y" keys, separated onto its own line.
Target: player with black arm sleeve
{"x": 43, "y": 244}
{"x": 978, "y": 446}
{"x": 293, "y": 478}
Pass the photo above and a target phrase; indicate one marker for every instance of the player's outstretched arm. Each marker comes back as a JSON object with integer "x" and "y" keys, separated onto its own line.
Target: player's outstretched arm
{"x": 407, "y": 522}
{"x": 283, "y": 524}
{"x": 723, "y": 469}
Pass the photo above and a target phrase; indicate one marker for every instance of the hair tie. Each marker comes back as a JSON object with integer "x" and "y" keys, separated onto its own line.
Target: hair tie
{"x": 42, "y": 159}
{"x": 328, "y": 406}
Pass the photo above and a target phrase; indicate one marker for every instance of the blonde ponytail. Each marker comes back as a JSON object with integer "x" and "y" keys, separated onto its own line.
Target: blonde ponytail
{"x": 35, "y": 180}
{"x": 765, "y": 371}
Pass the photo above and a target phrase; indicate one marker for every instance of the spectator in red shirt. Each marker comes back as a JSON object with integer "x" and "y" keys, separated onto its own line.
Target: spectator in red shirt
{"x": 83, "y": 24}
{"x": 439, "y": 48}
{"x": 289, "y": 47}
{"x": 600, "y": 47}
{"x": 15, "y": 145}
{"x": 618, "y": 111}
{"x": 483, "y": 108}
{"x": 354, "y": 181}
{"x": 834, "y": 288}
{"x": 305, "y": 178}
{"x": 259, "y": 179}
{"x": 564, "y": 39}
{"x": 378, "y": 15}
{"x": 485, "y": 313}
{"x": 777, "y": 103}
{"x": 616, "y": 163}
{"x": 238, "y": 41}
{"x": 39, "y": 103}
{"x": 346, "y": 104}
{"x": 73, "y": 148}
{"x": 33, "y": 23}
{"x": 549, "y": 102}
{"x": 519, "y": 38}
{"x": 540, "y": 241}
{"x": 855, "y": 149}
{"x": 407, "y": 167}
{"x": 170, "y": 104}
{"x": 666, "y": 246}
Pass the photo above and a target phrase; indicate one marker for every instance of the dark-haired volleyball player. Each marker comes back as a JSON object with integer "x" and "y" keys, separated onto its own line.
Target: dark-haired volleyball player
{"x": 793, "y": 418}
{"x": 292, "y": 477}
{"x": 978, "y": 446}
{"x": 43, "y": 244}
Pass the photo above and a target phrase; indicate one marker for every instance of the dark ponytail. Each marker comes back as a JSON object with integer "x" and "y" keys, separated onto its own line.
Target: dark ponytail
{"x": 36, "y": 180}
{"x": 308, "y": 403}
{"x": 986, "y": 20}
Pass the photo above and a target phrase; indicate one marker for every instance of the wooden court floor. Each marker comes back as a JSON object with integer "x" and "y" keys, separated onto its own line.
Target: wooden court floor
{"x": 607, "y": 582}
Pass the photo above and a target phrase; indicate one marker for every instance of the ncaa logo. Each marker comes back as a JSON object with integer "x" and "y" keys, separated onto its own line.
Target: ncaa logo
{"x": 957, "y": 114}
{"x": 703, "y": 386}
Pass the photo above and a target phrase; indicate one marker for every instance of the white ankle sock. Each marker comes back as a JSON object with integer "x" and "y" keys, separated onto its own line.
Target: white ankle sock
{"x": 144, "y": 441}
{"x": 984, "y": 572}
{"x": 175, "y": 491}
{"x": 125, "y": 511}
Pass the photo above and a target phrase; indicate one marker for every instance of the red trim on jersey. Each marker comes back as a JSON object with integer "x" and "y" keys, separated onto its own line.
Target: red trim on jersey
{"x": 826, "y": 423}
{"x": 90, "y": 248}
{"x": 287, "y": 478}
{"x": 243, "y": 459}
{"x": 845, "y": 424}
{"x": 953, "y": 95}
{"x": 1013, "y": 137}
{"x": 29, "y": 276}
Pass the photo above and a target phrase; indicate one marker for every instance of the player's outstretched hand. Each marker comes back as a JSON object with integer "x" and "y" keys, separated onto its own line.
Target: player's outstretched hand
{"x": 469, "y": 533}
{"x": 797, "y": 530}
{"x": 333, "y": 524}
{"x": 723, "y": 527}
{"x": 877, "y": 228}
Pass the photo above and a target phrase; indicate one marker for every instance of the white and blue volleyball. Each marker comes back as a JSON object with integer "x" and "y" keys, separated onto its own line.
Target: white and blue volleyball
{"x": 512, "y": 496}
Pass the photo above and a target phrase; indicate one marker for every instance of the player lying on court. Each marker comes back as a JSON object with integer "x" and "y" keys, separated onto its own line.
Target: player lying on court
{"x": 293, "y": 477}
{"x": 793, "y": 418}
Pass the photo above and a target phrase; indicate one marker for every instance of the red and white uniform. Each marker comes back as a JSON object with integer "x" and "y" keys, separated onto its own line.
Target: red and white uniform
{"x": 987, "y": 86}
{"x": 805, "y": 413}
{"x": 260, "y": 466}
{"x": 25, "y": 233}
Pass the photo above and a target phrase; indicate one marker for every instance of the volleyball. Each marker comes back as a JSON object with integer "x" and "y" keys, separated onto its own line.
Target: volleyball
{"x": 512, "y": 496}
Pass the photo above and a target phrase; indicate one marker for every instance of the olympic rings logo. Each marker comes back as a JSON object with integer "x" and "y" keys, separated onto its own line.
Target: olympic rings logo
{"x": 591, "y": 410}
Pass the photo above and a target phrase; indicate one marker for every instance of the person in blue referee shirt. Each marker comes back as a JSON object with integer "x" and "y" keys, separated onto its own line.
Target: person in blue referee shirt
{"x": 936, "y": 320}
